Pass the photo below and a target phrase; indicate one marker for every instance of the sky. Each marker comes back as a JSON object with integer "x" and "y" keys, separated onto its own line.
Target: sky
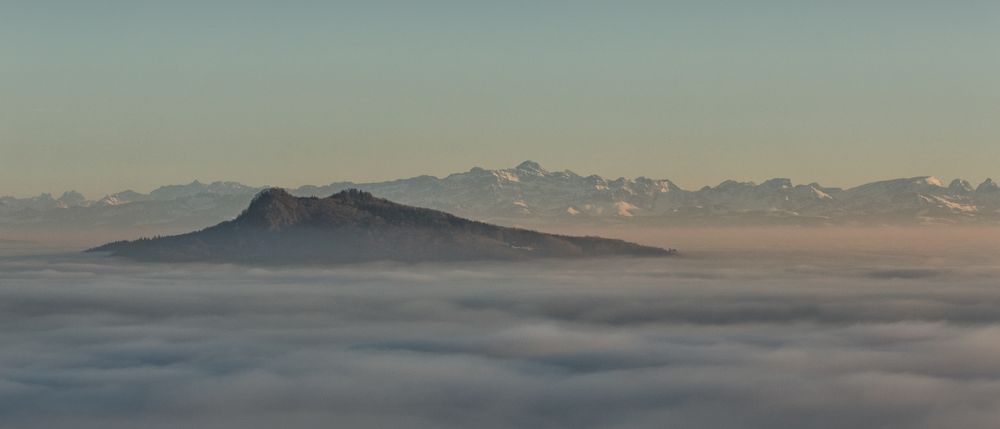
{"x": 102, "y": 96}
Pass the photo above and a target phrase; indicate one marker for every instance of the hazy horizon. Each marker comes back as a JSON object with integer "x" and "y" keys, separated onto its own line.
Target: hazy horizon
{"x": 57, "y": 192}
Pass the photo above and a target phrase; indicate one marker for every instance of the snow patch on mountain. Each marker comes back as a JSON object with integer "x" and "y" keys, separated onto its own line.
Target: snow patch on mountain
{"x": 532, "y": 192}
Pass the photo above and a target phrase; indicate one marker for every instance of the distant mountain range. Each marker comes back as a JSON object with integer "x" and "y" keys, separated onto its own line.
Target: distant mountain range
{"x": 530, "y": 195}
{"x": 354, "y": 226}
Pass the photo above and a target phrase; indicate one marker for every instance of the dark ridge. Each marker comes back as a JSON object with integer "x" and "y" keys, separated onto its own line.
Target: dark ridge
{"x": 354, "y": 226}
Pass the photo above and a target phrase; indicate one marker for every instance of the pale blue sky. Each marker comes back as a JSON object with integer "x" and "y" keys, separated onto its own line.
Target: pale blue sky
{"x": 100, "y": 96}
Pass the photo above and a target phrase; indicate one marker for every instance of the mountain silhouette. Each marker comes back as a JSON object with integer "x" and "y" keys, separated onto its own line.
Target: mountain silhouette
{"x": 354, "y": 226}
{"x": 530, "y": 194}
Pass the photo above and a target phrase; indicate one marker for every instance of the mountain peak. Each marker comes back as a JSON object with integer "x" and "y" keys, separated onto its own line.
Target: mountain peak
{"x": 354, "y": 226}
{"x": 732, "y": 185}
{"x": 959, "y": 185}
{"x": 777, "y": 182}
{"x": 531, "y": 167}
{"x": 353, "y": 194}
{"x": 988, "y": 186}
{"x": 73, "y": 198}
{"x": 272, "y": 208}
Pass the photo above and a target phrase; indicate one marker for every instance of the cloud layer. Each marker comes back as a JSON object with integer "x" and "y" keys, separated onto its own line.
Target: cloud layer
{"x": 773, "y": 340}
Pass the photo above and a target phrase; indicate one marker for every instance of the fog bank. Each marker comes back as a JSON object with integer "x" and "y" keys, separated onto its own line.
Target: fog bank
{"x": 761, "y": 337}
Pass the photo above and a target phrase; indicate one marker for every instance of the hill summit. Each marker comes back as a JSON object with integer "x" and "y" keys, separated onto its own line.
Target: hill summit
{"x": 354, "y": 226}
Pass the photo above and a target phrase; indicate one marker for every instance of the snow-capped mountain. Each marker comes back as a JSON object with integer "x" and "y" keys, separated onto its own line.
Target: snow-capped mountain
{"x": 525, "y": 191}
{"x": 529, "y": 193}
{"x": 45, "y": 201}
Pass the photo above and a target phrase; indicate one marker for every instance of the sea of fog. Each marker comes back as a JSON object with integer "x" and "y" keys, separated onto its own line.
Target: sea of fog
{"x": 769, "y": 328}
